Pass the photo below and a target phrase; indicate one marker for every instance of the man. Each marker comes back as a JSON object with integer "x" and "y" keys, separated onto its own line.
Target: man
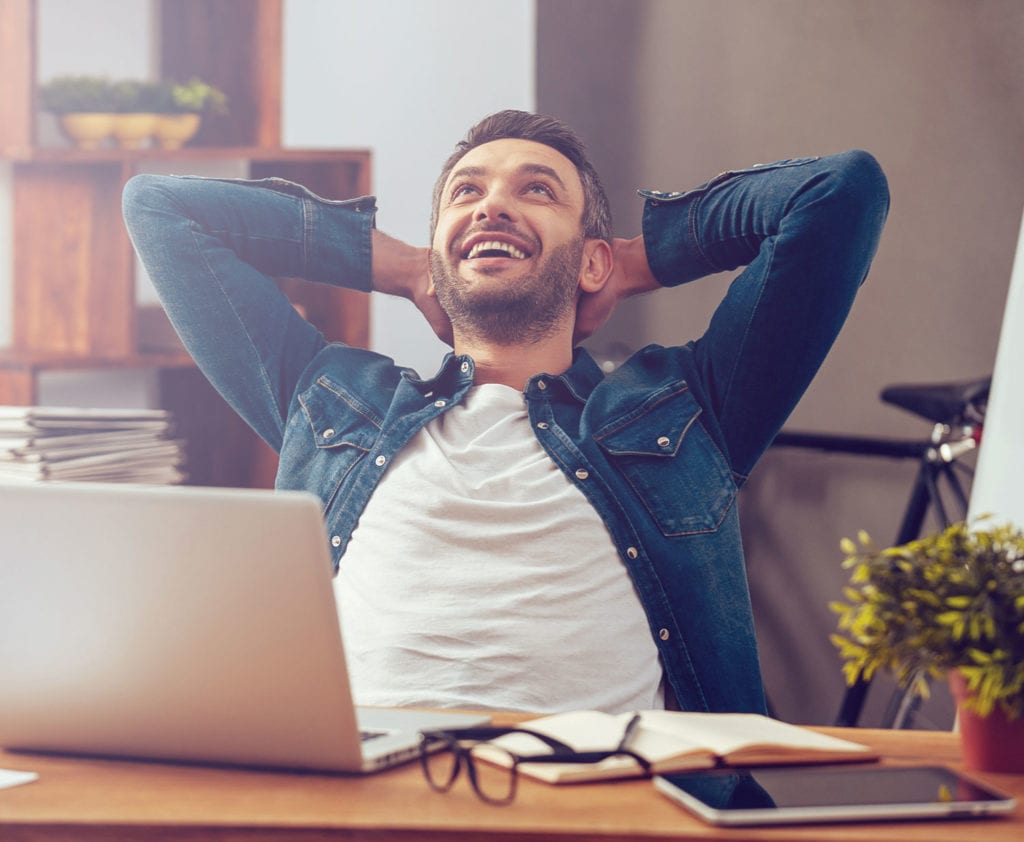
{"x": 521, "y": 531}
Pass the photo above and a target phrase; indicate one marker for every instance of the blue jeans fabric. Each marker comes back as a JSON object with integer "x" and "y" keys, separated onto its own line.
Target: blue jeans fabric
{"x": 659, "y": 447}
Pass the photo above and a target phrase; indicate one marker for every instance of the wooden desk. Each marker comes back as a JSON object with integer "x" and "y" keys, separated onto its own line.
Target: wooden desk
{"x": 76, "y": 799}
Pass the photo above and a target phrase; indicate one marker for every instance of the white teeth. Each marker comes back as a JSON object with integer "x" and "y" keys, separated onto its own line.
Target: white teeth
{"x": 496, "y": 245}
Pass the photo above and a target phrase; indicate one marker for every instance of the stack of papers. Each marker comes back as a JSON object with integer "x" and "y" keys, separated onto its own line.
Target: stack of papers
{"x": 95, "y": 445}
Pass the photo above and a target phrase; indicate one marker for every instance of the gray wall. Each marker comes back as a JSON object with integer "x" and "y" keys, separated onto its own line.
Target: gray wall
{"x": 669, "y": 93}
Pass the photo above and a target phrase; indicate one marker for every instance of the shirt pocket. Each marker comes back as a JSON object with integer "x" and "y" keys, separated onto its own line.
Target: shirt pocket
{"x": 334, "y": 432}
{"x": 671, "y": 463}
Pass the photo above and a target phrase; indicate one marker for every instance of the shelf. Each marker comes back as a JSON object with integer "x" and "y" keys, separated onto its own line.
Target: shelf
{"x": 68, "y": 155}
{"x": 38, "y": 361}
{"x": 73, "y": 268}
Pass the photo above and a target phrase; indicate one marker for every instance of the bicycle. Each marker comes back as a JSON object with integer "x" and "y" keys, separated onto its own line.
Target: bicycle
{"x": 957, "y": 413}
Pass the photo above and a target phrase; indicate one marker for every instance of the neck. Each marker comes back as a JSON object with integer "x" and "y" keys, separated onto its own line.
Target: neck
{"x": 514, "y": 365}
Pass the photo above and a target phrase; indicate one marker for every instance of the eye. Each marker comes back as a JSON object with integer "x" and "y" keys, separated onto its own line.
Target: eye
{"x": 540, "y": 188}
{"x": 460, "y": 191}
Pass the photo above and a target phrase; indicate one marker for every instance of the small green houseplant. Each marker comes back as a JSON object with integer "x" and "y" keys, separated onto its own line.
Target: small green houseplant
{"x": 135, "y": 103}
{"x": 77, "y": 95}
{"x": 949, "y": 603}
{"x": 83, "y": 106}
{"x": 133, "y": 111}
{"x": 197, "y": 97}
{"x": 181, "y": 107}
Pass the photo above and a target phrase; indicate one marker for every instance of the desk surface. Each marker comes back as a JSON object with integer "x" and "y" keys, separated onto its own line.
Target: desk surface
{"x": 86, "y": 799}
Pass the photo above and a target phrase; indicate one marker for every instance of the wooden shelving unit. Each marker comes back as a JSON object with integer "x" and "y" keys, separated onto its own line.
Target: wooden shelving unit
{"x": 74, "y": 301}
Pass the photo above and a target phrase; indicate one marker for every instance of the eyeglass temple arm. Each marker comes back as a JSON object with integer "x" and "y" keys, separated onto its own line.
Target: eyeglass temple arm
{"x": 485, "y": 734}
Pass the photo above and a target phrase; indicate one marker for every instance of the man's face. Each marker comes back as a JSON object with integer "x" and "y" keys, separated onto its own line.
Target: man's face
{"x": 506, "y": 253}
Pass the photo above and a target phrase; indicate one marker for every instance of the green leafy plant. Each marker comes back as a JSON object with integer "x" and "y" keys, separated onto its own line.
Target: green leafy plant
{"x": 77, "y": 94}
{"x": 133, "y": 96}
{"x": 197, "y": 96}
{"x": 70, "y": 94}
{"x": 949, "y": 601}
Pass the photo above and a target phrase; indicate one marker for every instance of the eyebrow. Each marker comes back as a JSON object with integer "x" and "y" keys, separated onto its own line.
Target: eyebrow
{"x": 524, "y": 169}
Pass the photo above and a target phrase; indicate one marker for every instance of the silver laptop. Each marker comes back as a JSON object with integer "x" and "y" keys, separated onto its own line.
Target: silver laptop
{"x": 181, "y": 624}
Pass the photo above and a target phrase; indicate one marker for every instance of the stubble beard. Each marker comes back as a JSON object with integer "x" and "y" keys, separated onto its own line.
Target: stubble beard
{"x": 524, "y": 311}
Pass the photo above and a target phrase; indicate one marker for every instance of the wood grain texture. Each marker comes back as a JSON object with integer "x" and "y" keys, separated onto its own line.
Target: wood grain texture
{"x": 18, "y": 387}
{"x": 89, "y": 799}
{"x": 73, "y": 288}
{"x": 17, "y": 76}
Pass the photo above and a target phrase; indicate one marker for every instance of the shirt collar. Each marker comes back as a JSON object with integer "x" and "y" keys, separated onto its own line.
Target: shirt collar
{"x": 578, "y": 381}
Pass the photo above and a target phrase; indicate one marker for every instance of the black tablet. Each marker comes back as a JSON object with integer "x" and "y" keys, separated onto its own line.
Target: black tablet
{"x": 803, "y": 794}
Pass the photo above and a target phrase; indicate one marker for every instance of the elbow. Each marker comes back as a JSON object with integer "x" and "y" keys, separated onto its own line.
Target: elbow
{"x": 858, "y": 205}
{"x": 863, "y": 186}
{"x": 142, "y": 195}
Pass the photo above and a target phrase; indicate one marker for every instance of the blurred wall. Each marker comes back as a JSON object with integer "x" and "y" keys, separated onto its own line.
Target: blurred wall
{"x": 670, "y": 92}
{"x": 405, "y": 78}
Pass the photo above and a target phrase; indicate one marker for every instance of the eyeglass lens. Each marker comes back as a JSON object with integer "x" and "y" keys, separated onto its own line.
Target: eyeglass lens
{"x": 442, "y": 758}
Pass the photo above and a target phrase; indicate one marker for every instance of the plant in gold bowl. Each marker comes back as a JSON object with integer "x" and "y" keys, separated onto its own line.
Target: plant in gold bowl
{"x": 135, "y": 103}
{"x": 951, "y": 604}
{"x": 83, "y": 106}
{"x": 181, "y": 109}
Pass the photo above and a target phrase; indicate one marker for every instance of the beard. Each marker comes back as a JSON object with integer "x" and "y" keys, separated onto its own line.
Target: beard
{"x": 522, "y": 311}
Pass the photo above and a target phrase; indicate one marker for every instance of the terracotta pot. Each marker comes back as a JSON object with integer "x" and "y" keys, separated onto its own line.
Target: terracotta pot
{"x": 133, "y": 130}
{"x": 990, "y": 743}
{"x": 175, "y": 130}
{"x": 87, "y": 130}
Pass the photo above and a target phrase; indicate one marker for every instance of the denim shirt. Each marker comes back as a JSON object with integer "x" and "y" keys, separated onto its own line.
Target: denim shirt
{"x": 659, "y": 447}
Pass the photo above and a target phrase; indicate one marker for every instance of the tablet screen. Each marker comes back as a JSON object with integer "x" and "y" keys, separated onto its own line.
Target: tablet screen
{"x": 813, "y": 793}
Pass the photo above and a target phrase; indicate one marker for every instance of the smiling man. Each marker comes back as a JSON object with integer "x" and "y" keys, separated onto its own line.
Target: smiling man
{"x": 509, "y": 218}
{"x": 521, "y": 530}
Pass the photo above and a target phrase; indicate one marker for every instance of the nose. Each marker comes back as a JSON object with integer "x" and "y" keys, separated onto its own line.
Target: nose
{"x": 496, "y": 204}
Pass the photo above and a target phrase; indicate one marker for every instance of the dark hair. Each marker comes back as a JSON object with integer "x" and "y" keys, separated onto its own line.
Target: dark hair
{"x": 522, "y": 125}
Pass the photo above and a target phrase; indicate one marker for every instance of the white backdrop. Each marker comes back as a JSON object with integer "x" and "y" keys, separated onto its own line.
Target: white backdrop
{"x": 999, "y": 479}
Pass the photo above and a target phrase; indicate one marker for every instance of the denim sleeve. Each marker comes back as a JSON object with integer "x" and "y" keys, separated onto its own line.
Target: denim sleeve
{"x": 806, "y": 230}
{"x": 213, "y": 248}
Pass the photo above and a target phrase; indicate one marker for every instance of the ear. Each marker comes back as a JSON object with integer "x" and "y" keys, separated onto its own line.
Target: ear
{"x": 595, "y": 266}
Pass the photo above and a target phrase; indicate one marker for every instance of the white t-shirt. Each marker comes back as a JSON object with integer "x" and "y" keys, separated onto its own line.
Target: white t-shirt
{"x": 479, "y": 576}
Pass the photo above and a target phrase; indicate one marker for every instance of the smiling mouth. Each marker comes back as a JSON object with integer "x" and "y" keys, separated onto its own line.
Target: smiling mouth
{"x": 494, "y": 248}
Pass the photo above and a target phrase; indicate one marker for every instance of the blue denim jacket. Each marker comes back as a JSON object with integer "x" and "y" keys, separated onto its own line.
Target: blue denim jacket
{"x": 659, "y": 447}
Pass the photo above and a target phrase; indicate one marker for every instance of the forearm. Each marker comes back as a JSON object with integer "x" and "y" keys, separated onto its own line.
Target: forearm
{"x": 213, "y": 249}
{"x": 807, "y": 231}
{"x": 278, "y": 228}
{"x": 723, "y": 224}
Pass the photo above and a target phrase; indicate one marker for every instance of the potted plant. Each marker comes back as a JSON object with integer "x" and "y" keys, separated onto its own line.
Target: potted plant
{"x": 135, "y": 104}
{"x": 83, "y": 106}
{"x": 949, "y": 604}
{"x": 181, "y": 108}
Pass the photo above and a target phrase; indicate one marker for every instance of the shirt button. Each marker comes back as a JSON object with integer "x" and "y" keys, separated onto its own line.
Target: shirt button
{"x": 541, "y": 384}
{"x": 582, "y": 473}
{"x": 632, "y": 552}
{"x": 542, "y": 425}
{"x": 663, "y": 634}
{"x": 664, "y": 441}
{"x": 380, "y": 460}
{"x": 336, "y": 541}
{"x": 440, "y": 404}
{"x": 464, "y": 367}
{"x": 328, "y": 433}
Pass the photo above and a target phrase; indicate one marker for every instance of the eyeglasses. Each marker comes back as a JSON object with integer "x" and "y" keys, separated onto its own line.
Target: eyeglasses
{"x": 443, "y": 754}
